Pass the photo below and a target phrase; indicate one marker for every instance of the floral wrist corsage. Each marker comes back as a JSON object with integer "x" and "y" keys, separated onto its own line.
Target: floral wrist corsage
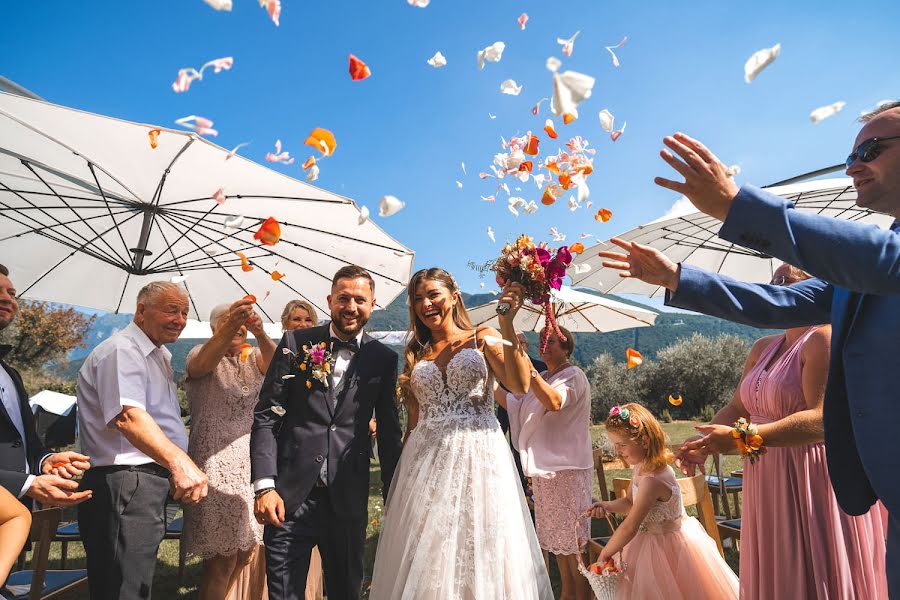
{"x": 749, "y": 442}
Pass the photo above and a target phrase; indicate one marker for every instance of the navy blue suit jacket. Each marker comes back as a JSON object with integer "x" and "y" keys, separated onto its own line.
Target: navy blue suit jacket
{"x": 857, "y": 290}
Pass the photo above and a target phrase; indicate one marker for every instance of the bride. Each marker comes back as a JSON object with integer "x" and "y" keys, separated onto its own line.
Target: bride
{"x": 456, "y": 525}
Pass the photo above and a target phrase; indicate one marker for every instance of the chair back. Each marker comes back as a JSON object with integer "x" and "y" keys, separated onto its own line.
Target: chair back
{"x": 693, "y": 493}
{"x": 43, "y": 528}
{"x": 601, "y": 476}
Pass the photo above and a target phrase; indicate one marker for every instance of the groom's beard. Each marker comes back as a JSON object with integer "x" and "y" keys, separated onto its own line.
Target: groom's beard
{"x": 349, "y": 331}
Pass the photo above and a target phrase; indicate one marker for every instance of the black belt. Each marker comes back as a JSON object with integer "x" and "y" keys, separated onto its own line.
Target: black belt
{"x": 148, "y": 468}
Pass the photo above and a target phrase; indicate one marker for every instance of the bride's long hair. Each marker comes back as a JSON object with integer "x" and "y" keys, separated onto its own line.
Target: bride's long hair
{"x": 419, "y": 335}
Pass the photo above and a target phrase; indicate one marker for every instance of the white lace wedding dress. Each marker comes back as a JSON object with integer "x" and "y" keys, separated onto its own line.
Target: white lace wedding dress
{"x": 456, "y": 525}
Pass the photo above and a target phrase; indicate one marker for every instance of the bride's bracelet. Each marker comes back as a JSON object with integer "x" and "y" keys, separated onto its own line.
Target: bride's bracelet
{"x": 747, "y": 439}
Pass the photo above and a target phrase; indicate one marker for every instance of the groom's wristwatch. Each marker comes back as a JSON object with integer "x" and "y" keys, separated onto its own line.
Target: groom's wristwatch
{"x": 534, "y": 373}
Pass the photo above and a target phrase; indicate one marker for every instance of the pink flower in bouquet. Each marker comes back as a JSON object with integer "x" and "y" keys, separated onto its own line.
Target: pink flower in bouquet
{"x": 542, "y": 255}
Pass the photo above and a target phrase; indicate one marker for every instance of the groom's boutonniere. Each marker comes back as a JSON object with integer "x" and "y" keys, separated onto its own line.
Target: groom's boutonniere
{"x": 315, "y": 362}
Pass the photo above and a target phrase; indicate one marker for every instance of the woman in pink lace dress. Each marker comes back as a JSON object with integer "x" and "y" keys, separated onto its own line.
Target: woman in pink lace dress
{"x": 223, "y": 381}
{"x": 795, "y": 540}
{"x": 550, "y": 426}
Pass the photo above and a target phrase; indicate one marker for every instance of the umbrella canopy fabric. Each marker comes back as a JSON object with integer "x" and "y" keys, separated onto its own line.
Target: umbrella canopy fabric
{"x": 90, "y": 212}
{"x": 692, "y": 238}
{"x": 575, "y": 310}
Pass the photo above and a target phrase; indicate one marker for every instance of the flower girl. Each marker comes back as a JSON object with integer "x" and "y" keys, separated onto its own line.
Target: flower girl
{"x": 668, "y": 554}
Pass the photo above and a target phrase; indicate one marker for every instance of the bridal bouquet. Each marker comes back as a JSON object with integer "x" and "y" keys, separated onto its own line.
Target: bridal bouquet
{"x": 538, "y": 270}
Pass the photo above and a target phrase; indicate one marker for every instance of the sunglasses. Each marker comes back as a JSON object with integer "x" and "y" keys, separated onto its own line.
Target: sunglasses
{"x": 868, "y": 150}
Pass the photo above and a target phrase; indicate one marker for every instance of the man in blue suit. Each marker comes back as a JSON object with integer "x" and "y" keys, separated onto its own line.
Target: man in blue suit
{"x": 856, "y": 289}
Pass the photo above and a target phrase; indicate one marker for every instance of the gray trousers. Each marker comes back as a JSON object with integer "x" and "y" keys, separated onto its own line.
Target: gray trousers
{"x": 122, "y": 526}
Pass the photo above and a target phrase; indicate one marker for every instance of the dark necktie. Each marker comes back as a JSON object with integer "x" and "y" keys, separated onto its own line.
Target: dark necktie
{"x": 338, "y": 344}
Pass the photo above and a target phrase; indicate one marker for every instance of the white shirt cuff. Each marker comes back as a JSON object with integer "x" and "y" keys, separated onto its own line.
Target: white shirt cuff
{"x": 27, "y": 485}
{"x": 41, "y": 462}
{"x": 261, "y": 484}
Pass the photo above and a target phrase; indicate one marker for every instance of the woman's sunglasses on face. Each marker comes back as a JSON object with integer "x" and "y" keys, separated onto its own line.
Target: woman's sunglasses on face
{"x": 868, "y": 150}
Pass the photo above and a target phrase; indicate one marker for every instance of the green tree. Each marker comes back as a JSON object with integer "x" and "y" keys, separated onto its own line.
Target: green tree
{"x": 611, "y": 384}
{"x": 44, "y": 333}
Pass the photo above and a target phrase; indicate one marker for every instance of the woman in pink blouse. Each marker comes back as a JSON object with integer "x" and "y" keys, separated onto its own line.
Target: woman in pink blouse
{"x": 550, "y": 428}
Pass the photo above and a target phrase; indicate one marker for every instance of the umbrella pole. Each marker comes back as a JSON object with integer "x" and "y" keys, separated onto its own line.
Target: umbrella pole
{"x": 141, "y": 251}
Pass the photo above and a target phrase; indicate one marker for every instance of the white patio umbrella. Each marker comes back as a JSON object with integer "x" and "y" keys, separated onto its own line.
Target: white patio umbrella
{"x": 89, "y": 213}
{"x": 692, "y": 237}
{"x": 575, "y": 310}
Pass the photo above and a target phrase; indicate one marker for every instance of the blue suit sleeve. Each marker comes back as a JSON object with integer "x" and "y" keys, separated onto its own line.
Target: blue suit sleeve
{"x": 767, "y": 306}
{"x": 861, "y": 258}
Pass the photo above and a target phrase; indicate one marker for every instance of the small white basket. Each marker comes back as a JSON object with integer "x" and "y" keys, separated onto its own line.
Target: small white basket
{"x": 604, "y": 586}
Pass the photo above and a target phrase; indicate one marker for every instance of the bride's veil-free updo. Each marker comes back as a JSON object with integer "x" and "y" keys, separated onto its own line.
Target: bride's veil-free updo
{"x": 419, "y": 335}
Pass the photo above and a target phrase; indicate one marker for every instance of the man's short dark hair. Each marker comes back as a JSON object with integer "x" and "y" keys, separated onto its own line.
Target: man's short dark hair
{"x": 353, "y": 272}
{"x": 878, "y": 110}
{"x": 4, "y": 271}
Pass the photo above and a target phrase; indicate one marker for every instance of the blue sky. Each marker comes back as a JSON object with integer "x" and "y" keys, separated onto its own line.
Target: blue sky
{"x": 405, "y": 130}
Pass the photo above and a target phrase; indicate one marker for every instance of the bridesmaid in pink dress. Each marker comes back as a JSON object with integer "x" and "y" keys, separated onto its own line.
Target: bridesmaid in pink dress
{"x": 795, "y": 540}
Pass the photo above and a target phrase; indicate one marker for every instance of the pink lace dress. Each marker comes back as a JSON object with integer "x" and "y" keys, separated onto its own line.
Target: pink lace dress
{"x": 672, "y": 557}
{"x": 222, "y": 405}
{"x": 795, "y": 540}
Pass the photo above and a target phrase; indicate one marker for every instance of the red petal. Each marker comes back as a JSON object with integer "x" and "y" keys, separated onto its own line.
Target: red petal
{"x": 358, "y": 69}
{"x": 269, "y": 232}
{"x": 531, "y": 147}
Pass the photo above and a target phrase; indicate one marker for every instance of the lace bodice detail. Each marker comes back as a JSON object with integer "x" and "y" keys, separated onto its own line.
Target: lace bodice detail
{"x": 661, "y": 512}
{"x": 461, "y": 393}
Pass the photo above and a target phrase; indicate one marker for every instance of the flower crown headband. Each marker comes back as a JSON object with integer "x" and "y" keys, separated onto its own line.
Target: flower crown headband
{"x": 628, "y": 419}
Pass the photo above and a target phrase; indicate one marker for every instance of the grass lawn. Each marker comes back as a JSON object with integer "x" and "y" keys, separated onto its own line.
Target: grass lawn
{"x": 166, "y": 584}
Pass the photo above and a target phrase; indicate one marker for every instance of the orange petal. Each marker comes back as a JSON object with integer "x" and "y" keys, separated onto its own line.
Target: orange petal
{"x": 634, "y": 358}
{"x": 532, "y": 146}
{"x": 310, "y": 162}
{"x": 526, "y": 166}
{"x": 246, "y": 351}
{"x": 549, "y": 129}
{"x": 358, "y": 69}
{"x": 565, "y": 180}
{"x": 576, "y": 247}
{"x": 269, "y": 232}
{"x": 323, "y": 140}
{"x": 568, "y": 118}
{"x": 604, "y": 214}
{"x": 153, "y": 134}
{"x": 276, "y": 276}
{"x": 547, "y": 198}
{"x": 552, "y": 167}
{"x": 675, "y": 401}
{"x": 755, "y": 441}
{"x": 586, "y": 169}
{"x": 250, "y": 297}
{"x": 245, "y": 264}
{"x": 615, "y": 134}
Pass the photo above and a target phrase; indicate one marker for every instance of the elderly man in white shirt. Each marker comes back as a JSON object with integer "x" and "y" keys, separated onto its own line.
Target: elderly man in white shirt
{"x": 130, "y": 424}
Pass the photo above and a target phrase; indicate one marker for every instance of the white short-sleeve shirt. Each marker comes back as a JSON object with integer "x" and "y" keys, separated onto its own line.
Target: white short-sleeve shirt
{"x": 127, "y": 369}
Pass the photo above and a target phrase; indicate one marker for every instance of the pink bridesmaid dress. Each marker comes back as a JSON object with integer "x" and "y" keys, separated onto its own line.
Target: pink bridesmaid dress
{"x": 795, "y": 540}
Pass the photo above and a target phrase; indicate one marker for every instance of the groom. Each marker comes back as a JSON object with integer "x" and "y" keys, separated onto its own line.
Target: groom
{"x": 309, "y": 447}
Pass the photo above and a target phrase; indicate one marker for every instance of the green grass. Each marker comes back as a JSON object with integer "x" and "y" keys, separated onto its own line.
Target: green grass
{"x": 166, "y": 584}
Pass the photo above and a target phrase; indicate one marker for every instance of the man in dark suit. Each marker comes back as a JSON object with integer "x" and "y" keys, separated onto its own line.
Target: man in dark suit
{"x": 27, "y": 471}
{"x": 856, "y": 289}
{"x": 309, "y": 446}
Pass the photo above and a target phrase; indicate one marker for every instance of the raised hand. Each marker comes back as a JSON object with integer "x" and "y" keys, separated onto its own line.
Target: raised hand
{"x": 52, "y": 490}
{"x": 642, "y": 262}
{"x": 707, "y": 183}
{"x": 239, "y": 313}
{"x": 513, "y": 293}
{"x": 269, "y": 508}
{"x": 66, "y": 464}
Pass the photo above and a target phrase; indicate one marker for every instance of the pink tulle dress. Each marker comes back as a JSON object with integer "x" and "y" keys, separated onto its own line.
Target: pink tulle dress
{"x": 795, "y": 540}
{"x": 672, "y": 557}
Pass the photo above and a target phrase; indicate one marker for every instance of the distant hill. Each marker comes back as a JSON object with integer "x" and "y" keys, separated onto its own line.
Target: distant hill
{"x": 669, "y": 328}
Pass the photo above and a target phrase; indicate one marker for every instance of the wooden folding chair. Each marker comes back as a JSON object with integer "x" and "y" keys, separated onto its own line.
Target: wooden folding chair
{"x": 45, "y": 584}
{"x": 722, "y": 486}
{"x": 601, "y": 476}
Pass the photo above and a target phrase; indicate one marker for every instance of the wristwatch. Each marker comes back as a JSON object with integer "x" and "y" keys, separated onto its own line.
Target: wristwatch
{"x": 534, "y": 373}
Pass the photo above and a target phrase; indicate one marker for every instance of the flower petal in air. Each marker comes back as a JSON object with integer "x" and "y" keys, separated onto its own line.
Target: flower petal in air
{"x": 313, "y": 173}
{"x": 250, "y": 297}
{"x": 531, "y": 147}
{"x": 615, "y": 134}
{"x": 523, "y": 18}
{"x": 634, "y": 358}
{"x": 510, "y": 88}
{"x": 553, "y": 64}
{"x": 675, "y": 401}
{"x": 576, "y": 248}
{"x": 569, "y": 90}
{"x": 418, "y": 3}
{"x": 604, "y": 214}
{"x": 492, "y": 53}
{"x": 234, "y": 222}
{"x": 823, "y": 112}
{"x": 323, "y": 140}
{"x": 610, "y": 49}
{"x": 390, "y": 205}
{"x": 580, "y": 269}
{"x": 606, "y": 120}
{"x": 269, "y": 232}
{"x": 219, "y": 196}
{"x": 246, "y": 352}
{"x": 276, "y": 276}
{"x": 309, "y": 162}
{"x": 437, "y": 61}
{"x": 537, "y": 107}
{"x": 358, "y": 69}
{"x": 548, "y": 127}
{"x": 551, "y": 194}
{"x": 153, "y": 135}
{"x": 220, "y": 4}
{"x": 568, "y": 45}
{"x": 278, "y": 156}
{"x": 245, "y": 264}
{"x": 363, "y": 215}
{"x": 273, "y": 7}
{"x": 490, "y": 233}
{"x": 759, "y": 60}
{"x": 233, "y": 151}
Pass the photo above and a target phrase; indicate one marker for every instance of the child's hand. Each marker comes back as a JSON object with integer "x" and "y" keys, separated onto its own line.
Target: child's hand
{"x": 599, "y": 511}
